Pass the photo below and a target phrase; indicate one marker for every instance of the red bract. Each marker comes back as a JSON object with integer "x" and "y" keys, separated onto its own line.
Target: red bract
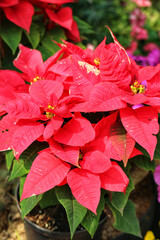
{"x": 103, "y": 97}
{"x": 57, "y": 1}
{"x": 96, "y": 162}
{"x": 25, "y": 134}
{"x": 11, "y": 84}
{"x": 87, "y": 58}
{"x": 66, "y": 153}
{"x": 90, "y": 109}
{"x": 46, "y": 172}
{"x": 8, "y": 3}
{"x": 6, "y": 95}
{"x": 96, "y": 170}
{"x": 115, "y": 66}
{"x": 12, "y": 79}
{"x": 95, "y": 173}
{"x": 73, "y": 34}
{"x": 94, "y": 178}
{"x": 47, "y": 95}
{"x": 85, "y": 188}
{"x": 122, "y": 141}
{"x": 99, "y": 77}
{"x": 20, "y": 13}
{"x": 23, "y": 107}
{"x": 63, "y": 17}
{"x": 7, "y": 129}
{"x": 30, "y": 62}
{"x": 114, "y": 141}
{"x": 76, "y": 132}
{"x": 151, "y": 75}
{"x": 144, "y": 89}
{"x": 141, "y": 124}
{"x": 114, "y": 179}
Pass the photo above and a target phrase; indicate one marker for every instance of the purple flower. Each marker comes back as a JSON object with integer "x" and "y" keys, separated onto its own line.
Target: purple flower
{"x": 152, "y": 59}
{"x": 157, "y": 180}
{"x": 140, "y": 60}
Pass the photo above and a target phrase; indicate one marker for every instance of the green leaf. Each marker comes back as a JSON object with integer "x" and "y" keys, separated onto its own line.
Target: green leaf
{"x": 55, "y": 34}
{"x": 90, "y": 221}
{"x": 23, "y": 165}
{"x": 157, "y": 150}
{"x": 11, "y": 34}
{"x": 29, "y": 203}
{"x": 34, "y": 35}
{"x": 75, "y": 211}
{"x": 119, "y": 199}
{"x": 7, "y": 60}
{"x": 49, "y": 199}
{"x": 83, "y": 27}
{"x": 128, "y": 222}
{"x": 45, "y": 53}
{"x": 144, "y": 162}
{"x": 142, "y": 150}
{"x": 9, "y": 159}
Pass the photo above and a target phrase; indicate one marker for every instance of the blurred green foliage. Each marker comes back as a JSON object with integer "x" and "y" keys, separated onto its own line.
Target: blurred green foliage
{"x": 116, "y": 15}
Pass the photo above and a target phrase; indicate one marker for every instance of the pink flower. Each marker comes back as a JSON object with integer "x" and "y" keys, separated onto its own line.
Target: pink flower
{"x": 150, "y": 46}
{"x": 143, "y": 3}
{"x": 137, "y": 17}
{"x": 139, "y": 33}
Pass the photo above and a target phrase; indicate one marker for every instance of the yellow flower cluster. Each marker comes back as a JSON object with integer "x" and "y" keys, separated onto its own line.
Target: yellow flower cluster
{"x": 137, "y": 88}
{"x": 149, "y": 236}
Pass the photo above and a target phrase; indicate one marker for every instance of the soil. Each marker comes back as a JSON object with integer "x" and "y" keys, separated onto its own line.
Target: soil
{"x": 11, "y": 225}
{"x": 51, "y": 218}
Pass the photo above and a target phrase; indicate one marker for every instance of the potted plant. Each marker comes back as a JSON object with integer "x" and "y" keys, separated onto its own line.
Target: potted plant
{"x": 74, "y": 125}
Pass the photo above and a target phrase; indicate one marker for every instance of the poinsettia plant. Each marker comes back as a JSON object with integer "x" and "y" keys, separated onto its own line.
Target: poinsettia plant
{"x": 34, "y": 18}
{"x": 74, "y": 125}
{"x": 36, "y": 23}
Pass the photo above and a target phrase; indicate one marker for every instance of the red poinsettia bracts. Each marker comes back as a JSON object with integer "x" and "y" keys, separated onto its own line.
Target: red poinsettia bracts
{"x": 89, "y": 82}
{"x": 18, "y": 12}
{"x": 142, "y": 125}
{"x": 47, "y": 95}
{"x": 92, "y": 108}
{"x": 8, "y": 3}
{"x": 57, "y": 1}
{"x": 93, "y": 170}
{"x": 50, "y": 172}
{"x": 30, "y": 62}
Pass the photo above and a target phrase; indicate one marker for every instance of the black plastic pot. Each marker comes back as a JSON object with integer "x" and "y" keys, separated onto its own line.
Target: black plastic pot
{"x": 34, "y": 232}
